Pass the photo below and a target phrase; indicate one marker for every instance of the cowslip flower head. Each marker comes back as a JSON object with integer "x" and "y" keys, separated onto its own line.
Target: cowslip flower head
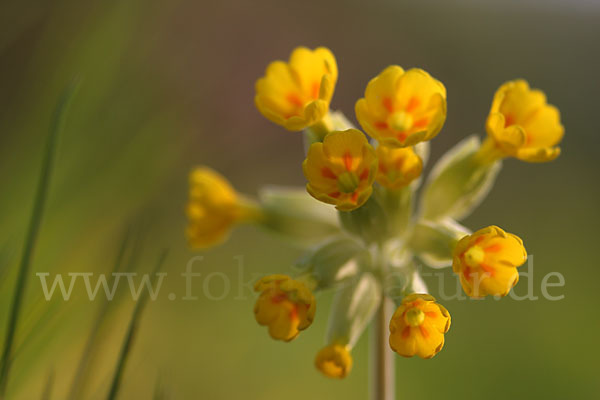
{"x": 418, "y": 326}
{"x": 341, "y": 169}
{"x": 487, "y": 262}
{"x": 213, "y": 208}
{"x": 397, "y": 167}
{"x": 297, "y": 94}
{"x": 334, "y": 361}
{"x": 285, "y": 305}
{"x": 402, "y": 108}
{"x": 523, "y": 125}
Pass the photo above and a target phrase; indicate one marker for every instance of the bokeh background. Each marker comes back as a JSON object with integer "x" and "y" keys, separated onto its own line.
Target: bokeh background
{"x": 167, "y": 85}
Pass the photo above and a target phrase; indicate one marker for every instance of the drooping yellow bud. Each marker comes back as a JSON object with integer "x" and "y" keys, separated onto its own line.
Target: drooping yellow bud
{"x": 418, "y": 326}
{"x": 486, "y": 262}
{"x": 213, "y": 208}
{"x": 334, "y": 361}
{"x": 286, "y": 306}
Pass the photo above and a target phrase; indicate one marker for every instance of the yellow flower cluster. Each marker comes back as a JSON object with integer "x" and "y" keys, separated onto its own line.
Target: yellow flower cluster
{"x": 400, "y": 110}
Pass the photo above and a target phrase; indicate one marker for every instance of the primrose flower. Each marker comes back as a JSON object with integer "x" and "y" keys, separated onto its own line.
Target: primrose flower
{"x": 418, "y": 326}
{"x": 341, "y": 169}
{"x": 297, "y": 94}
{"x": 487, "y": 262}
{"x": 334, "y": 361}
{"x": 213, "y": 208}
{"x": 402, "y": 108}
{"x": 522, "y": 125}
{"x": 285, "y": 305}
{"x": 397, "y": 167}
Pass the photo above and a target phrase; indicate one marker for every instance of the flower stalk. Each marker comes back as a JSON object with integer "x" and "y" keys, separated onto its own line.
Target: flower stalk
{"x": 382, "y": 366}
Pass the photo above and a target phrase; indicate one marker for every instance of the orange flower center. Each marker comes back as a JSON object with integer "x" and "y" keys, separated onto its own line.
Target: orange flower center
{"x": 414, "y": 317}
{"x": 474, "y": 256}
{"x": 400, "y": 121}
{"x": 347, "y": 182}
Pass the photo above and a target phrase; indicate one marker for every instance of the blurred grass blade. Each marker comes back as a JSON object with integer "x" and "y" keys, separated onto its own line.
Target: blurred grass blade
{"x": 131, "y": 332}
{"x": 5, "y": 258}
{"x": 47, "y": 393}
{"x": 81, "y": 372}
{"x": 159, "y": 390}
{"x": 33, "y": 230}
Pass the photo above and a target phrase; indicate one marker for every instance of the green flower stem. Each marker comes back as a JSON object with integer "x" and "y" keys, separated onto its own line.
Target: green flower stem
{"x": 323, "y": 127}
{"x": 382, "y": 366}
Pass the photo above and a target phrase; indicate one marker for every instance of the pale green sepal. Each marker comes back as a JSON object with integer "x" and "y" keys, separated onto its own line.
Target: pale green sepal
{"x": 336, "y": 260}
{"x": 397, "y": 204}
{"x": 369, "y": 222}
{"x": 293, "y": 213}
{"x": 401, "y": 282}
{"x": 333, "y": 121}
{"x": 340, "y": 122}
{"x": 423, "y": 149}
{"x": 457, "y": 183}
{"x": 395, "y": 283}
{"x": 353, "y": 308}
{"x": 434, "y": 242}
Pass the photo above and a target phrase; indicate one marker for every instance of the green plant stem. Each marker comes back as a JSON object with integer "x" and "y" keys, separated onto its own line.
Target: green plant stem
{"x": 32, "y": 234}
{"x": 382, "y": 367}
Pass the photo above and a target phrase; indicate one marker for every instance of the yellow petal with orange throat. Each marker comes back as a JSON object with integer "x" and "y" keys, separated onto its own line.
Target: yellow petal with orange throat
{"x": 286, "y": 306}
{"x": 522, "y": 124}
{"x": 418, "y": 326}
{"x": 487, "y": 262}
{"x": 341, "y": 169}
{"x": 402, "y": 108}
{"x": 297, "y": 94}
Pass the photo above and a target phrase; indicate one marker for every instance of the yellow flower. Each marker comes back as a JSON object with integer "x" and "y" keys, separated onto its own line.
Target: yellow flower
{"x": 521, "y": 124}
{"x": 487, "y": 262}
{"x": 213, "y": 208}
{"x": 297, "y": 94}
{"x": 341, "y": 169}
{"x": 418, "y": 326}
{"x": 285, "y": 305}
{"x": 334, "y": 361}
{"x": 402, "y": 108}
{"x": 397, "y": 167}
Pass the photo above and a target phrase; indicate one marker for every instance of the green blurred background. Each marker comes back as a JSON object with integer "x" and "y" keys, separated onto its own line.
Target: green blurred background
{"x": 167, "y": 85}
